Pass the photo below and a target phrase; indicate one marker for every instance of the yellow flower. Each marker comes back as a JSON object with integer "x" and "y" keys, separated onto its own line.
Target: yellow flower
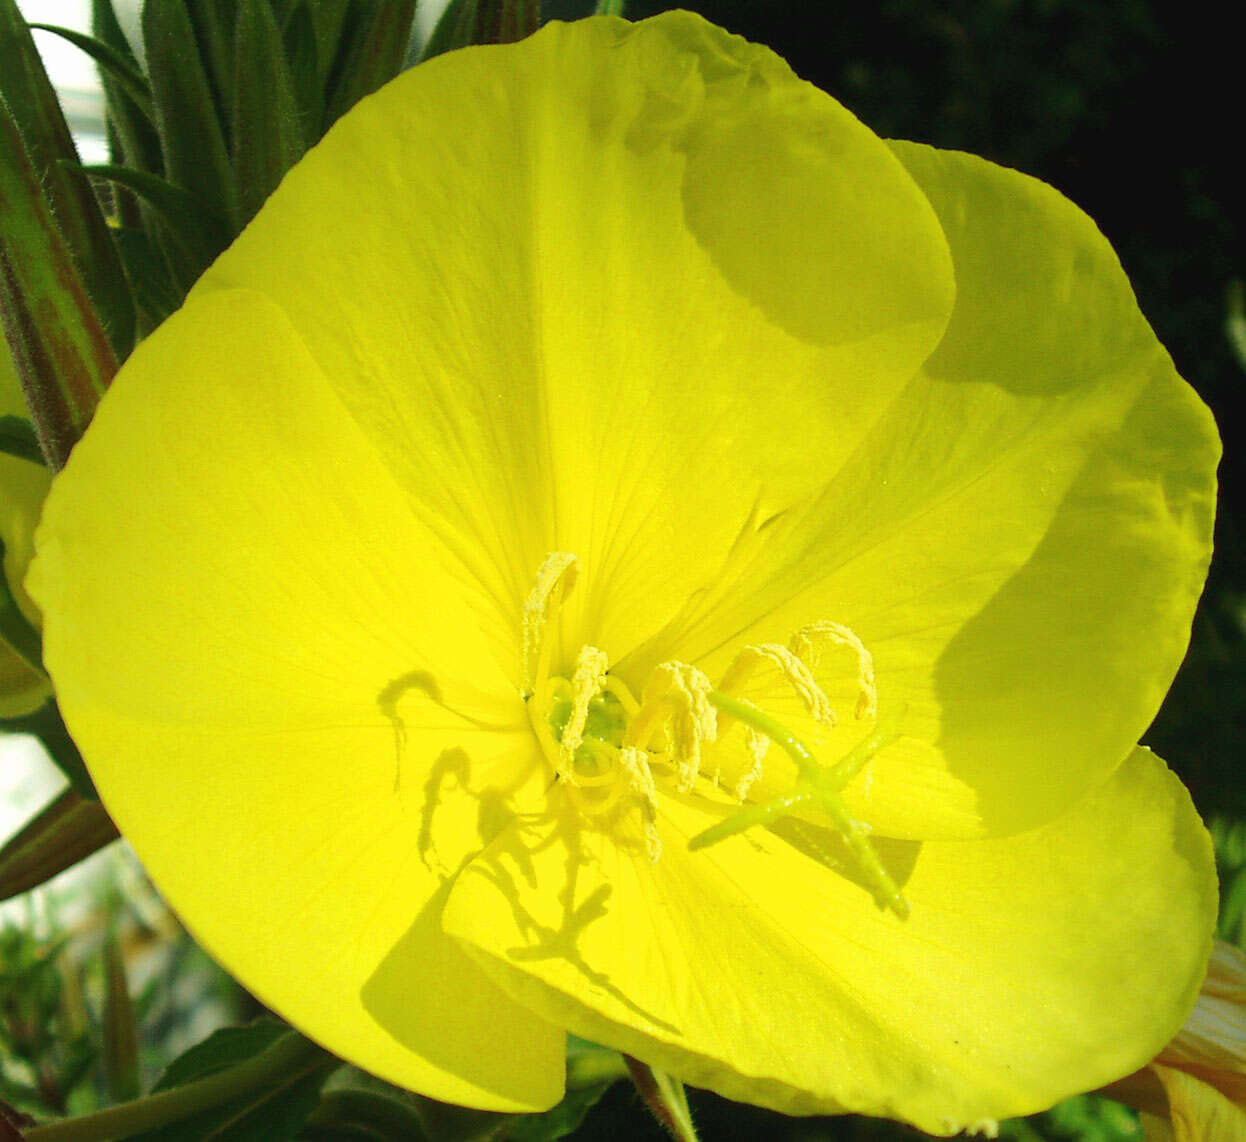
{"x": 1195, "y": 1089}
{"x": 23, "y": 486}
{"x": 581, "y": 432}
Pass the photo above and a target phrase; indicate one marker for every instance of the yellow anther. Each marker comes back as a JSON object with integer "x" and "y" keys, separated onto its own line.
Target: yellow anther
{"x": 758, "y": 746}
{"x": 635, "y": 764}
{"x": 586, "y": 684}
{"x": 807, "y": 643}
{"x": 553, "y": 584}
{"x": 793, "y": 669}
{"x": 676, "y": 699}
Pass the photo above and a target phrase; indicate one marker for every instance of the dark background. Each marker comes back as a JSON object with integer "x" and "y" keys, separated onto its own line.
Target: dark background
{"x": 1134, "y": 110}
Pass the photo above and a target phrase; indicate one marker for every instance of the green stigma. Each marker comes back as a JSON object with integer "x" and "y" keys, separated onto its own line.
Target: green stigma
{"x": 817, "y": 786}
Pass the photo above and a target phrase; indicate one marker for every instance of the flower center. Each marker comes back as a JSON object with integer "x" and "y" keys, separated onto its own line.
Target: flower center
{"x": 612, "y": 752}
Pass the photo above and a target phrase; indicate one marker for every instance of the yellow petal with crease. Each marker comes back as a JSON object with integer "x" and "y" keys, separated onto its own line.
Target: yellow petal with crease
{"x": 1032, "y": 967}
{"x": 267, "y": 706}
{"x": 658, "y": 288}
{"x": 1020, "y": 539}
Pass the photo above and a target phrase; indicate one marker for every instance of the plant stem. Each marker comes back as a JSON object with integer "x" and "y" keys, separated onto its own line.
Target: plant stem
{"x": 665, "y": 1097}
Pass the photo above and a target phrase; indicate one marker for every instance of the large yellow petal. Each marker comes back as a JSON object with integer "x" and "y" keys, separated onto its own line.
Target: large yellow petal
{"x": 274, "y": 678}
{"x": 1032, "y": 967}
{"x": 615, "y": 291}
{"x": 1020, "y": 540}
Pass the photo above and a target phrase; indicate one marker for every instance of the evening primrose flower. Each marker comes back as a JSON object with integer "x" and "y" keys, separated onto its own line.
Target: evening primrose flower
{"x": 617, "y": 547}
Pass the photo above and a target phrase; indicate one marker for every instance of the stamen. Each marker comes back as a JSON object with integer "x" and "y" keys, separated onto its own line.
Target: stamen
{"x": 676, "y": 697}
{"x": 817, "y": 787}
{"x": 586, "y": 683}
{"x": 806, "y": 646}
{"x": 795, "y": 671}
{"x": 635, "y": 763}
{"x": 553, "y": 584}
{"x": 758, "y": 746}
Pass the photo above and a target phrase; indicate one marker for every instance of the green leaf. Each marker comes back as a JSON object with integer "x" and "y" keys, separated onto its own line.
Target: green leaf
{"x": 1232, "y": 924}
{"x": 268, "y": 133}
{"x": 467, "y": 22}
{"x": 356, "y": 1105}
{"x": 264, "y": 1095}
{"x": 221, "y": 1050}
{"x": 39, "y": 122}
{"x": 328, "y": 19}
{"x": 68, "y": 830}
{"x": 15, "y": 628}
{"x": 303, "y": 53}
{"x": 213, "y": 22}
{"x": 62, "y": 353}
{"x": 113, "y": 64}
{"x": 135, "y": 131}
{"x": 120, "y": 1054}
{"x": 48, "y": 726}
{"x": 269, "y": 1113}
{"x": 198, "y": 232}
{"x": 155, "y": 296}
{"x": 561, "y": 1120}
{"x": 17, "y": 438}
{"x": 1235, "y": 320}
{"x": 371, "y": 52}
{"x": 609, "y": 8}
{"x": 191, "y": 133}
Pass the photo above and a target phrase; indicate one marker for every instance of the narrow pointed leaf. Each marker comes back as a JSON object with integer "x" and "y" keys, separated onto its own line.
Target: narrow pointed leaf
{"x": 17, "y": 438}
{"x": 282, "y": 10}
{"x": 63, "y": 355}
{"x": 198, "y": 230}
{"x": 453, "y": 29}
{"x": 154, "y": 293}
{"x": 303, "y": 53}
{"x": 191, "y": 134}
{"x": 664, "y": 1096}
{"x": 68, "y": 830}
{"x": 37, "y": 116}
{"x": 467, "y": 22}
{"x": 113, "y": 64}
{"x": 268, "y": 133}
{"x": 120, "y": 1055}
{"x": 136, "y": 132}
{"x": 328, "y": 19}
{"x": 372, "y": 51}
{"x": 213, "y": 22}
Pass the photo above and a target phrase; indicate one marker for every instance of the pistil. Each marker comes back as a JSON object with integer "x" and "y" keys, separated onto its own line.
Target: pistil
{"x": 816, "y": 787}
{"x": 610, "y": 752}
